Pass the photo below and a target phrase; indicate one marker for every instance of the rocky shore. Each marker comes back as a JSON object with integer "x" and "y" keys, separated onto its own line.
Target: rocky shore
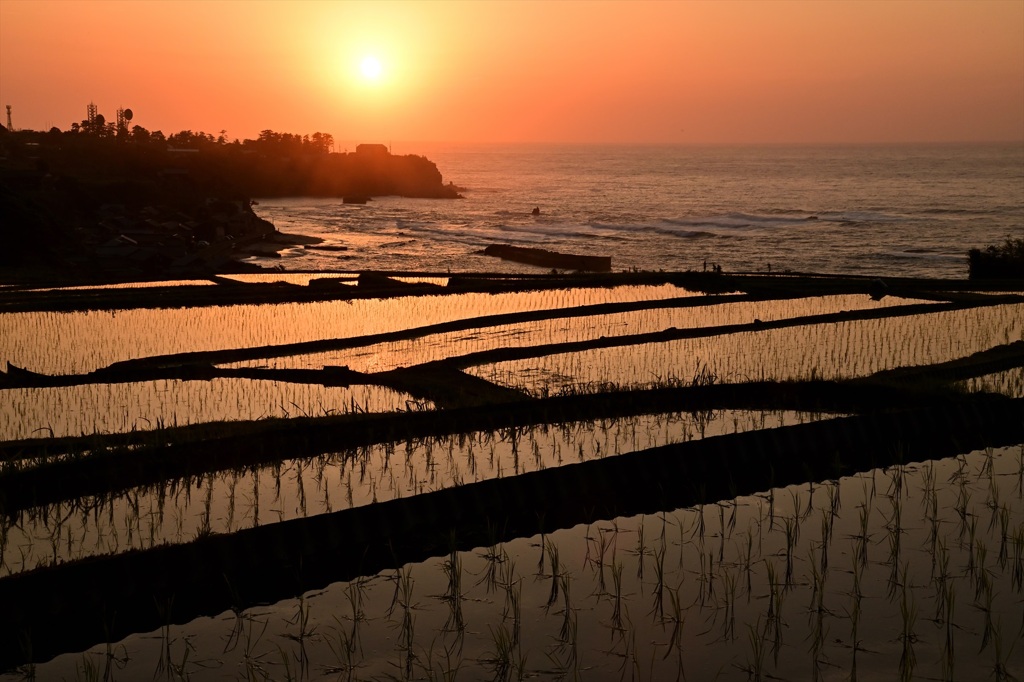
{"x": 97, "y": 208}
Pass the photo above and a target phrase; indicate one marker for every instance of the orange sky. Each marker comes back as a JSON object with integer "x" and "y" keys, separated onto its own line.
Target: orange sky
{"x": 612, "y": 72}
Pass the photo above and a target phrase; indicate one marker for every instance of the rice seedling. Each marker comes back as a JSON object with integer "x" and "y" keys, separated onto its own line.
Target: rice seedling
{"x": 602, "y": 549}
{"x": 984, "y": 602}
{"x": 163, "y": 662}
{"x": 773, "y": 590}
{"x": 556, "y": 573}
{"x": 863, "y": 537}
{"x": 972, "y": 533}
{"x": 854, "y": 610}
{"x": 776, "y": 630}
{"x": 982, "y": 580}
{"x": 729, "y": 619}
{"x": 817, "y": 599}
{"x": 722, "y": 534}
{"x": 1004, "y": 536}
{"x": 564, "y": 662}
{"x": 827, "y": 521}
{"x": 344, "y": 649}
{"x": 817, "y": 637}
{"x": 771, "y": 508}
{"x": 640, "y": 551}
{"x": 700, "y": 528}
{"x": 993, "y": 503}
{"x": 748, "y": 562}
{"x": 252, "y": 661}
{"x": 1001, "y": 669}
{"x": 452, "y": 568}
{"x": 908, "y": 616}
{"x": 707, "y": 577}
{"x": 616, "y": 597}
{"x": 630, "y": 661}
{"x": 754, "y": 667}
{"x": 948, "y": 642}
{"x": 896, "y": 577}
{"x": 658, "y": 594}
{"x": 505, "y": 660}
{"x": 962, "y": 511}
{"x": 446, "y": 666}
{"x": 1020, "y": 472}
{"x": 934, "y": 539}
{"x": 286, "y": 663}
{"x": 987, "y": 465}
{"x": 304, "y": 629}
{"x": 676, "y": 616}
{"x": 568, "y": 629}
{"x": 493, "y": 556}
{"x": 791, "y": 528}
{"x": 1017, "y": 565}
{"x": 940, "y": 578}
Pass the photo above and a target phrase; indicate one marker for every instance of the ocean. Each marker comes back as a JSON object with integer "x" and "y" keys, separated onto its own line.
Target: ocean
{"x": 911, "y": 210}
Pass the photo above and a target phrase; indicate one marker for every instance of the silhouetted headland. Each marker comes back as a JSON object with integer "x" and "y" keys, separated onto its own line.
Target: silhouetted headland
{"x": 105, "y": 202}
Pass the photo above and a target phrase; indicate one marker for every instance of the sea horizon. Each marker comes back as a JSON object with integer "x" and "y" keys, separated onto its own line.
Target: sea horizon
{"x": 882, "y": 210}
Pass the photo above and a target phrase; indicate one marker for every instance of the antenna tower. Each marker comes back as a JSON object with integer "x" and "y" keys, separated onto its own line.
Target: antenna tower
{"x": 9, "y": 126}
{"x": 124, "y": 117}
{"x": 92, "y": 114}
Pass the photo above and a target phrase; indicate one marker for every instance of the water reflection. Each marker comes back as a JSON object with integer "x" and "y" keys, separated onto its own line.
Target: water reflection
{"x": 298, "y": 278}
{"x": 1009, "y": 383}
{"x": 914, "y": 570}
{"x": 387, "y": 356}
{"x": 79, "y": 342}
{"x": 133, "y": 285}
{"x": 822, "y": 351}
{"x": 147, "y": 405}
{"x": 181, "y": 510}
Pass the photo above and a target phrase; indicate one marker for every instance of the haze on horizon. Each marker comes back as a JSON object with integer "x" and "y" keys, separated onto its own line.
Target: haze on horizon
{"x": 526, "y": 72}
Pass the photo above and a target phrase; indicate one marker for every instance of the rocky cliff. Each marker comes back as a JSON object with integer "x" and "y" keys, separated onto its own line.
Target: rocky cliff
{"x": 82, "y": 204}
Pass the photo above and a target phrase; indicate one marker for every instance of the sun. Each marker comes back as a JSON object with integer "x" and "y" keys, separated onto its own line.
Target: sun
{"x": 371, "y": 68}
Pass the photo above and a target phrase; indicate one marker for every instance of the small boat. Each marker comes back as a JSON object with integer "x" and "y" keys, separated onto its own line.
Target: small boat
{"x": 355, "y": 200}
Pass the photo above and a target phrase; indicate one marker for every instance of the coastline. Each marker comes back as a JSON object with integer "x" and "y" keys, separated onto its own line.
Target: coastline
{"x": 275, "y": 243}
{"x": 88, "y": 206}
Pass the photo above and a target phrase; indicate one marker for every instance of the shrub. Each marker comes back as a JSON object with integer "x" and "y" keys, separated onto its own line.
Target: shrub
{"x": 1005, "y": 261}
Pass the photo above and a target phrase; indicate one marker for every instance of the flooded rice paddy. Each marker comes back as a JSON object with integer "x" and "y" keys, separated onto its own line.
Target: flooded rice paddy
{"x": 79, "y": 342}
{"x": 432, "y": 347}
{"x": 147, "y": 405}
{"x": 824, "y": 351}
{"x": 911, "y": 571}
{"x": 179, "y": 510}
{"x": 809, "y": 485}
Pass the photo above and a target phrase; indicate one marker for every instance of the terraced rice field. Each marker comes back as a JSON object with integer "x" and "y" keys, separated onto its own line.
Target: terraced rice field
{"x": 621, "y": 479}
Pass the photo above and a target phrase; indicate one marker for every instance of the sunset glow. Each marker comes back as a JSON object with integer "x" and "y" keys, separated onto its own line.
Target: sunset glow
{"x": 682, "y": 72}
{"x": 371, "y": 68}
{"x": 433, "y": 338}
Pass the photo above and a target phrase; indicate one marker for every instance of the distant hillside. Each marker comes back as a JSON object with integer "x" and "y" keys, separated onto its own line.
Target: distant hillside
{"x": 139, "y": 203}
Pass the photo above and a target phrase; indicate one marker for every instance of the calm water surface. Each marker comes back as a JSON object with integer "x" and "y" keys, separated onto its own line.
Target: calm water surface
{"x": 912, "y": 570}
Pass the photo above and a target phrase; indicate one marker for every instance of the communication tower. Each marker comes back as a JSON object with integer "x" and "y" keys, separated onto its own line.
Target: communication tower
{"x": 9, "y": 126}
{"x": 92, "y": 114}
{"x": 124, "y": 116}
